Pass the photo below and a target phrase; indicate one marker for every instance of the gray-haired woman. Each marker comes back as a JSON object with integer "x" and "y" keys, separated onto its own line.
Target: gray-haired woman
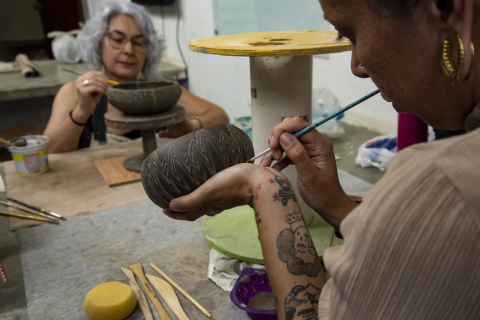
{"x": 119, "y": 40}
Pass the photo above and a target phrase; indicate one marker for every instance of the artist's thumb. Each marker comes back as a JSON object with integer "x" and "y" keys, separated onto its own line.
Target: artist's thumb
{"x": 297, "y": 153}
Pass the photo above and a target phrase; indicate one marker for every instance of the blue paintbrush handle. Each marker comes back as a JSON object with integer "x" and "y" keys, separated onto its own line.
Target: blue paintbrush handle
{"x": 316, "y": 124}
{"x": 334, "y": 115}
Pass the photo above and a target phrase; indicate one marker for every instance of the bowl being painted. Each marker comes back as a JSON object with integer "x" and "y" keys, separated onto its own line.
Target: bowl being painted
{"x": 144, "y": 97}
{"x": 182, "y": 165}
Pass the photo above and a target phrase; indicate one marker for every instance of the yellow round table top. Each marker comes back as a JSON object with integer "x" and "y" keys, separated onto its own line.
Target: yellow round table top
{"x": 272, "y": 43}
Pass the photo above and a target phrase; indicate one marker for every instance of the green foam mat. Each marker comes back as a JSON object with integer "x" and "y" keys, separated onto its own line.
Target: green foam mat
{"x": 234, "y": 233}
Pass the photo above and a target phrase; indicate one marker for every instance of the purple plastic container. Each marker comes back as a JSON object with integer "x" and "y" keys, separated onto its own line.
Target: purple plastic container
{"x": 243, "y": 292}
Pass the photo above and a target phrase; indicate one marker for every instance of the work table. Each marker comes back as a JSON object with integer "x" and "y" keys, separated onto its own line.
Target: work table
{"x": 53, "y": 266}
{"x": 61, "y": 263}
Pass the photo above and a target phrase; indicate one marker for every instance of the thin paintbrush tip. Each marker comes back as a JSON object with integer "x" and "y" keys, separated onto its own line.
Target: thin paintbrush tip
{"x": 212, "y": 318}
{"x": 248, "y": 161}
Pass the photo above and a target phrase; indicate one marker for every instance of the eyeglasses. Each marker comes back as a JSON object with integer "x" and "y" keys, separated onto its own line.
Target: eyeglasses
{"x": 118, "y": 40}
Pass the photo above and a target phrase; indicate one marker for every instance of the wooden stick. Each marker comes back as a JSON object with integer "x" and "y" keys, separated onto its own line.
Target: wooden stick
{"x": 168, "y": 295}
{"x": 142, "y": 300}
{"x": 81, "y": 74}
{"x": 8, "y": 143}
{"x": 185, "y": 294}
{"x": 22, "y": 216}
{"x": 138, "y": 270}
{"x": 26, "y": 210}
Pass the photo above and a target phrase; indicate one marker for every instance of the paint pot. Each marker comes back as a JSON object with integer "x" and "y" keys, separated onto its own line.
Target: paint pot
{"x": 251, "y": 282}
{"x": 31, "y": 159}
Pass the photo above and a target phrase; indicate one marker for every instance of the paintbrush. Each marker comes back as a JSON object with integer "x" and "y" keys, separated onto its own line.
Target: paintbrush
{"x": 316, "y": 124}
{"x": 43, "y": 215}
{"x": 81, "y": 74}
{"x": 44, "y": 211}
{"x": 22, "y": 216}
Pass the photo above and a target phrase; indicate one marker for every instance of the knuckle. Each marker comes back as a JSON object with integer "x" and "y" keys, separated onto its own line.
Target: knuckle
{"x": 297, "y": 119}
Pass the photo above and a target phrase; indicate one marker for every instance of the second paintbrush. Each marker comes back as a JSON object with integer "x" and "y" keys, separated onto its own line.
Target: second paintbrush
{"x": 53, "y": 214}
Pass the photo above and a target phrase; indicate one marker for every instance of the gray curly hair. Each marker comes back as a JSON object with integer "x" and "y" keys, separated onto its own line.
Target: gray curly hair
{"x": 91, "y": 36}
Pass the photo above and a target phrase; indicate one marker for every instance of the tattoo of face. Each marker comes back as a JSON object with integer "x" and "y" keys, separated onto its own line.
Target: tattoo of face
{"x": 302, "y": 303}
{"x": 296, "y": 249}
{"x": 285, "y": 193}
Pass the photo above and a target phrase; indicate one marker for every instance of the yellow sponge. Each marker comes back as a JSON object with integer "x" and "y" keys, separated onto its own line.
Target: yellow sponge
{"x": 110, "y": 301}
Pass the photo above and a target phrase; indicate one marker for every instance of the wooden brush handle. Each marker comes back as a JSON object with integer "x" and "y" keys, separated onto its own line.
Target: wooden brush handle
{"x": 138, "y": 270}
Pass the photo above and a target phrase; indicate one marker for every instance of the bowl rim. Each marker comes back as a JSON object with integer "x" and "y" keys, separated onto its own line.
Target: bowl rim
{"x": 169, "y": 84}
{"x": 247, "y": 271}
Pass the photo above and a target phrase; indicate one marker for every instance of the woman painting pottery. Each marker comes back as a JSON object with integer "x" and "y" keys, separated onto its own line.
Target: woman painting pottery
{"x": 412, "y": 247}
{"x": 121, "y": 41}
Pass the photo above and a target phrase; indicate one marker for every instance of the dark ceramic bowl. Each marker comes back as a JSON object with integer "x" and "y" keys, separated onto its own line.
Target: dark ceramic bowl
{"x": 144, "y": 97}
{"x": 182, "y": 165}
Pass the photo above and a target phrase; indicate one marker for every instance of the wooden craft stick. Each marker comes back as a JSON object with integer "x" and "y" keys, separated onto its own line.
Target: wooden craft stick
{"x": 185, "y": 294}
{"x": 26, "y": 210}
{"x": 168, "y": 295}
{"x": 22, "y": 216}
{"x": 142, "y": 300}
{"x": 138, "y": 270}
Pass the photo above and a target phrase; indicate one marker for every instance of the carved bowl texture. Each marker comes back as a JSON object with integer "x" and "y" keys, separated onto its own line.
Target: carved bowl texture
{"x": 144, "y": 97}
{"x": 182, "y": 165}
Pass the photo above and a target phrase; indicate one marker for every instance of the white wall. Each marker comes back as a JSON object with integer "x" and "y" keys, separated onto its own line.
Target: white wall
{"x": 226, "y": 80}
{"x": 335, "y": 74}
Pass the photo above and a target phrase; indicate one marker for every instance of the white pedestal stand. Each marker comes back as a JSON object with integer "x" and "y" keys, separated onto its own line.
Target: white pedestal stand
{"x": 281, "y": 87}
{"x": 281, "y": 82}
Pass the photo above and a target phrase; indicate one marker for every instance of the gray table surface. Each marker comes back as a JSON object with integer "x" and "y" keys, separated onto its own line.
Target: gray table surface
{"x": 62, "y": 263}
{"x": 14, "y": 86}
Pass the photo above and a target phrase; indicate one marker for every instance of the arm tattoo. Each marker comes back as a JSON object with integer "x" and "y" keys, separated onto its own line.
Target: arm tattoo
{"x": 285, "y": 193}
{"x": 250, "y": 201}
{"x": 257, "y": 218}
{"x": 296, "y": 249}
{"x": 302, "y": 303}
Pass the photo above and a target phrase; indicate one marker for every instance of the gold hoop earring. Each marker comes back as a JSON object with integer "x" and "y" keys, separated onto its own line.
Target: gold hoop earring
{"x": 451, "y": 69}
{"x": 471, "y": 64}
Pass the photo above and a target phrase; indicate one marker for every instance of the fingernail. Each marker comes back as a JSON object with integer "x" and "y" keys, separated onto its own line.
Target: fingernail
{"x": 271, "y": 140}
{"x": 278, "y": 154}
{"x": 286, "y": 139}
{"x": 175, "y": 206}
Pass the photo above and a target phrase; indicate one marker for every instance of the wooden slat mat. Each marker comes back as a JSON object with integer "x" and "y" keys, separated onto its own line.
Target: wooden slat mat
{"x": 74, "y": 186}
{"x": 115, "y": 173}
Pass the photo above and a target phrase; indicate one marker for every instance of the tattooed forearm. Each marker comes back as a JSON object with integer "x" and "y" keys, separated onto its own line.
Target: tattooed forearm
{"x": 257, "y": 218}
{"x": 285, "y": 193}
{"x": 296, "y": 249}
{"x": 250, "y": 201}
{"x": 302, "y": 303}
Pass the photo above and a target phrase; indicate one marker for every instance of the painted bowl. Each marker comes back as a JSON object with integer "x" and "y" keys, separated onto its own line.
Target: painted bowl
{"x": 251, "y": 282}
{"x": 144, "y": 97}
{"x": 182, "y": 165}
